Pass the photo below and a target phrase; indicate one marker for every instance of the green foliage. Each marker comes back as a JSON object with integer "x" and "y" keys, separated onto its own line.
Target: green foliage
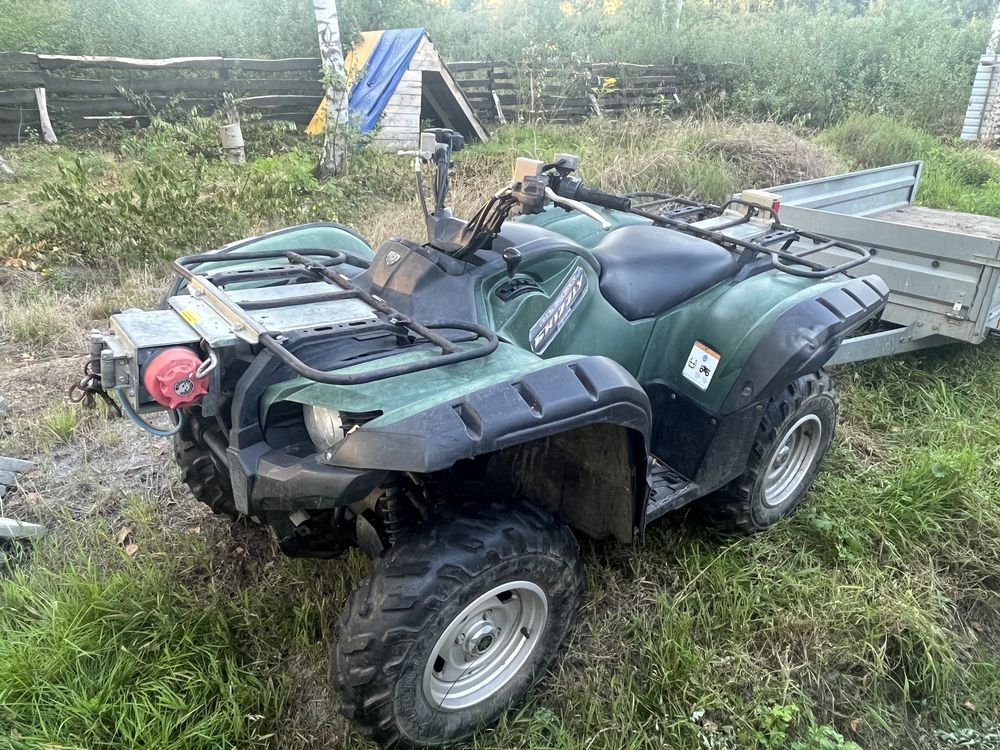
{"x": 61, "y": 422}
{"x": 824, "y": 738}
{"x": 805, "y": 61}
{"x": 868, "y": 141}
{"x": 170, "y": 193}
{"x": 775, "y": 722}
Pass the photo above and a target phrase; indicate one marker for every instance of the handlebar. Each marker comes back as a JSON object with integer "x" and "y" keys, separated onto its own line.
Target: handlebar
{"x": 574, "y": 189}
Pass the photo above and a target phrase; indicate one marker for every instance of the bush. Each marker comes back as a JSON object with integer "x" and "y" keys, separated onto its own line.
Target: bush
{"x": 172, "y": 194}
{"x": 868, "y": 141}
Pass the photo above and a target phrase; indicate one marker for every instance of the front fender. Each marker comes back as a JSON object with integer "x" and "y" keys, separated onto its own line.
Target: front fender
{"x": 563, "y": 396}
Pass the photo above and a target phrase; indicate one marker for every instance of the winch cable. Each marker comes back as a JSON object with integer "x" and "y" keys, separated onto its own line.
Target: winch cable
{"x": 154, "y": 431}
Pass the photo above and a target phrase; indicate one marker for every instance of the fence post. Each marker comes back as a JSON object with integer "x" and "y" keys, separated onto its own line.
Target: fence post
{"x": 491, "y": 69}
{"x": 43, "y": 116}
{"x": 232, "y": 133}
{"x": 592, "y": 82}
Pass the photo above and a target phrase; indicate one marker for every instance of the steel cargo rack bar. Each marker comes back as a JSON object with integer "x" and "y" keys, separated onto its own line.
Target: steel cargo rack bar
{"x": 717, "y": 224}
{"x": 305, "y": 277}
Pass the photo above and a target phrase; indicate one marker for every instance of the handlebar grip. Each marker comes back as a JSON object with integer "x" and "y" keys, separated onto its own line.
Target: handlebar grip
{"x": 580, "y": 192}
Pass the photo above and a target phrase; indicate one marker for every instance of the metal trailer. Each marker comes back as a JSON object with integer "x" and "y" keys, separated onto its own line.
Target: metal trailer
{"x": 942, "y": 267}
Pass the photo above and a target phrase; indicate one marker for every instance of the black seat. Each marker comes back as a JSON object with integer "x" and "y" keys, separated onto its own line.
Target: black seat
{"x": 646, "y": 270}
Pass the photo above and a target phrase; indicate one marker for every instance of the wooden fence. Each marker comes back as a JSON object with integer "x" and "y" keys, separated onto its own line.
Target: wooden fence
{"x": 503, "y": 92}
{"x": 84, "y": 92}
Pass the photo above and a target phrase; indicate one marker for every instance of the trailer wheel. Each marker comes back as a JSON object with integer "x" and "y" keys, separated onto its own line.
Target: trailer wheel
{"x": 793, "y": 439}
{"x": 199, "y": 471}
{"x": 455, "y": 624}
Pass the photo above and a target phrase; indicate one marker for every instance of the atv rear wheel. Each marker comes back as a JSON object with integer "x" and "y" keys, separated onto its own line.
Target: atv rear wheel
{"x": 792, "y": 441}
{"x": 199, "y": 470}
{"x": 455, "y": 623}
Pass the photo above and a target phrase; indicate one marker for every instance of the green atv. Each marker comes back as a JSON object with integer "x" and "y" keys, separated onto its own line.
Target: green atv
{"x": 458, "y": 408}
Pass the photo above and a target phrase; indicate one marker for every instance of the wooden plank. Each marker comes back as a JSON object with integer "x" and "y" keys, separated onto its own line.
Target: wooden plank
{"x": 279, "y": 100}
{"x": 634, "y": 67}
{"x": 59, "y": 62}
{"x": 284, "y": 65}
{"x": 92, "y": 123}
{"x": 632, "y": 81}
{"x": 19, "y": 79}
{"x": 301, "y": 118}
{"x": 122, "y": 105}
{"x": 463, "y": 65}
{"x": 18, "y": 58}
{"x": 26, "y": 115}
{"x": 463, "y": 104}
{"x": 61, "y": 85}
{"x": 408, "y": 112}
{"x": 405, "y": 100}
{"x": 110, "y": 86}
{"x": 426, "y": 57}
{"x": 26, "y": 96}
{"x": 475, "y": 83}
{"x": 103, "y": 105}
{"x": 12, "y": 130}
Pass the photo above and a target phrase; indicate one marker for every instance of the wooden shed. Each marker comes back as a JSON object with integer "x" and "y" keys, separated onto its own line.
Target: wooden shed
{"x": 401, "y": 84}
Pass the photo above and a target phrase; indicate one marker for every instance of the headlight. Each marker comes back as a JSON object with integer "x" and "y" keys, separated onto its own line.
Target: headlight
{"x": 325, "y": 426}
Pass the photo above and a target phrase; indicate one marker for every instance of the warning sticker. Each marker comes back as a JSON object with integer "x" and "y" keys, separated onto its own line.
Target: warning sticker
{"x": 190, "y": 316}
{"x": 701, "y": 365}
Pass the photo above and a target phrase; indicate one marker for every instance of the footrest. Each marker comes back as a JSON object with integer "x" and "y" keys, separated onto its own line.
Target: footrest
{"x": 668, "y": 490}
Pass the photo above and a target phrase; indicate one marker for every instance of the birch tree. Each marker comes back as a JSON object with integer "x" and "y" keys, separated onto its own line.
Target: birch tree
{"x": 332, "y": 54}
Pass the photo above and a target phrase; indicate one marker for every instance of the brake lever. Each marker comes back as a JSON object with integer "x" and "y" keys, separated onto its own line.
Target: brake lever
{"x": 577, "y": 206}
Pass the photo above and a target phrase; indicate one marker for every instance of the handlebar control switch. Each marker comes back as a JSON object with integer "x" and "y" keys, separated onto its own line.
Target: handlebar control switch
{"x": 566, "y": 163}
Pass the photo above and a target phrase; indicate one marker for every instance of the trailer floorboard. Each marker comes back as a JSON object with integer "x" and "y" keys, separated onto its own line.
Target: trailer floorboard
{"x": 948, "y": 221}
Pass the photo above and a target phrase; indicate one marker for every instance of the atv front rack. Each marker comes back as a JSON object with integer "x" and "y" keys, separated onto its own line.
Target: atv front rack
{"x": 722, "y": 225}
{"x": 267, "y": 314}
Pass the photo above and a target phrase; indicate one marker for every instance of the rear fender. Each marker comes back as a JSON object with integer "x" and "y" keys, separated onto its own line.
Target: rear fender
{"x": 764, "y": 331}
{"x": 804, "y": 337}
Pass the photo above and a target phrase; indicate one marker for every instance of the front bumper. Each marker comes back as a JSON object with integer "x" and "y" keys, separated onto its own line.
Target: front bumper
{"x": 271, "y": 479}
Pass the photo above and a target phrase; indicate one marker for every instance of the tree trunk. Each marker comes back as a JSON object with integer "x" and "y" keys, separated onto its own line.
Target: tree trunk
{"x": 332, "y": 55}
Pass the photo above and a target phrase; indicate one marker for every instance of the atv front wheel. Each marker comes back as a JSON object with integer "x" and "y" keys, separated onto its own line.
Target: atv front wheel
{"x": 199, "y": 471}
{"x": 792, "y": 441}
{"x": 455, "y": 624}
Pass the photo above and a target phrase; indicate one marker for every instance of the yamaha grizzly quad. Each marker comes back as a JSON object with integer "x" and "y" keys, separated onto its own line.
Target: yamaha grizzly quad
{"x": 458, "y": 408}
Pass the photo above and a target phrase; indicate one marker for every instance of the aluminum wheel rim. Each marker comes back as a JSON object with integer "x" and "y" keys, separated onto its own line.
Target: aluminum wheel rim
{"x": 792, "y": 461}
{"x": 485, "y": 646}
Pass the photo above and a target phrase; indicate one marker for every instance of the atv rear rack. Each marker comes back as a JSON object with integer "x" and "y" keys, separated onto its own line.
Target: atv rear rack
{"x": 313, "y": 265}
{"x": 774, "y": 239}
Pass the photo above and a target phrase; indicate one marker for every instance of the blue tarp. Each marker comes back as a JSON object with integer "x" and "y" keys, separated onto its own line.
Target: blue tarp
{"x": 389, "y": 60}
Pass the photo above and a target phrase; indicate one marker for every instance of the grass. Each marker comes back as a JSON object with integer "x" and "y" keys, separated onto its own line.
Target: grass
{"x": 870, "y": 619}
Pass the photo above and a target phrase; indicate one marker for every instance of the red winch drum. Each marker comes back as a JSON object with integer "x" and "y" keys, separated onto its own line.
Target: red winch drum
{"x": 171, "y": 378}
